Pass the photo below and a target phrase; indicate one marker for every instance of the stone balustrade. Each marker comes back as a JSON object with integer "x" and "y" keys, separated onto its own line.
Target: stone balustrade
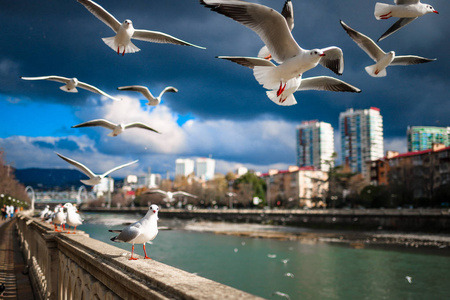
{"x": 74, "y": 266}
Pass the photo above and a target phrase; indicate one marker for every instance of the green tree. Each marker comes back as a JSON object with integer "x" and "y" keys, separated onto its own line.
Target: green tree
{"x": 253, "y": 182}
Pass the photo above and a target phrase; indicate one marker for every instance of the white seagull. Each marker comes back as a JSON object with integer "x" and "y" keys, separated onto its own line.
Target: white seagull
{"x": 147, "y": 94}
{"x": 59, "y": 218}
{"x": 44, "y": 212}
{"x": 274, "y": 31}
{"x": 72, "y": 218}
{"x": 406, "y": 10}
{"x": 116, "y": 128}
{"x": 382, "y": 59}
{"x": 71, "y": 85}
{"x": 140, "y": 232}
{"x": 121, "y": 42}
{"x": 170, "y": 196}
{"x": 94, "y": 179}
{"x": 320, "y": 83}
{"x": 288, "y": 14}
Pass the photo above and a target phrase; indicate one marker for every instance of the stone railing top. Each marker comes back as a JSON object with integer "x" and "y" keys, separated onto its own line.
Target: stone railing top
{"x": 139, "y": 279}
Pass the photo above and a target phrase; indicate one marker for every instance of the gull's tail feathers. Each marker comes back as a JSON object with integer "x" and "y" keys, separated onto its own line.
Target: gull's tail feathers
{"x": 66, "y": 89}
{"x": 372, "y": 71}
{"x": 130, "y": 48}
{"x": 290, "y": 100}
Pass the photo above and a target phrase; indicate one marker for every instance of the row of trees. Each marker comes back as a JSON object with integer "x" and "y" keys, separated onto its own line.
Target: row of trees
{"x": 10, "y": 188}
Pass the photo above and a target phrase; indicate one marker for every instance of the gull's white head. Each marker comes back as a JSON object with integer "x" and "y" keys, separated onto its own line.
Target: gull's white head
{"x": 430, "y": 9}
{"x": 127, "y": 24}
{"x": 316, "y": 53}
{"x": 154, "y": 209}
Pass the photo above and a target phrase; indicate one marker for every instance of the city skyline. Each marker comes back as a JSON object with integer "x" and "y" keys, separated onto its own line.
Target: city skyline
{"x": 220, "y": 109}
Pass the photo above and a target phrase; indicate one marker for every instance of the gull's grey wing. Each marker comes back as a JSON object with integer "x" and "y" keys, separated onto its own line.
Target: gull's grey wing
{"x": 94, "y": 89}
{"x": 80, "y": 166}
{"x": 365, "y": 43}
{"x": 51, "y": 78}
{"x": 168, "y": 89}
{"x": 160, "y": 37}
{"x": 402, "y": 2}
{"x": 396, "y": 26}
{"x": 249, "y": 62}
{"x": 181, "y": 193}
{"x": 98, "y": 122}
{"x": 119, "y": 167}
{"x": 138, "y": 88}
{"x": 269, "y": 24}
{"x": 102, "y": 14}
{"x": 333, "y": 59}
{"x": 404, "y": 60}
{"x": 288, "y": 14}
{"x": 129, "y": 233}
{"x": 156, "y": 192}
{"x": 326, "y": 83}
{"x": 140, "y": 125}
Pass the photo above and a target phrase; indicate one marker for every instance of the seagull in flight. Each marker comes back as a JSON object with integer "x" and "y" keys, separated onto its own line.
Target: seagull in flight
{"x": 382, "y": 59}
{"x": 406, "y": 10}
{"x": 125, "y": 32}
{"x": 116, "y": 128}
{"x": 94, "y": 179}
{"x": 319, "y": 83}
{"x": 170, "y": 196}
{"x": 71, "y": 85}
{"x": 152, "y": 100}
{"x": 140, "y": 232}
{"x": 274, "y": 31}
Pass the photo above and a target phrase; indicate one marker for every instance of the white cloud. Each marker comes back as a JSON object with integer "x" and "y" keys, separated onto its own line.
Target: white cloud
{"x": 395, "y": 144}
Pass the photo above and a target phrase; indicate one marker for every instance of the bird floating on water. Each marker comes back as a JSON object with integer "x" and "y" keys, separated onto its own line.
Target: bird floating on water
{"x": 152, "y": 100}
{"x": 382, "y": 59}
{"x": 71, "y": 85}
{"x": 121, "y": 42}
{"x": 94, "y": 179}
{"x": 406, "y": 10}
{"x": 140, "y": 232}
{"x": 116, "y": 128}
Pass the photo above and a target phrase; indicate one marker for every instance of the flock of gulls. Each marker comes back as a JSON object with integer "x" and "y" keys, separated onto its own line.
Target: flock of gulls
{"x": 278, "y": 67}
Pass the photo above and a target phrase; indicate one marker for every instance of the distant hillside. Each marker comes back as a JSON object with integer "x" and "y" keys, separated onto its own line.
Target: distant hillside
{"x": 49, "y": 178}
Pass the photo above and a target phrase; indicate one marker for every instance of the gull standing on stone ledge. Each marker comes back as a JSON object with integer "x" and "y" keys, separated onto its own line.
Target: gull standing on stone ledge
{"x": 140, "y": 232}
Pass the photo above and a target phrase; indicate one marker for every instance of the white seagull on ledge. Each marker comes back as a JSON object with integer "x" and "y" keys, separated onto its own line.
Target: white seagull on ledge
{"x": 140, "y": 232}
{"x": 71, "y": 85}
{"x": 121, "y": 42}
{"x": 116, "y": 128}
{"x": 94, "y": 179}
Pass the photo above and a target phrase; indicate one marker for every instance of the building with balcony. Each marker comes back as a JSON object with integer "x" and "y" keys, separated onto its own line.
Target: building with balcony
{"x": 315, "y": 145}
{"x": 361, "y": 133}
{"x": 423, "y": 137}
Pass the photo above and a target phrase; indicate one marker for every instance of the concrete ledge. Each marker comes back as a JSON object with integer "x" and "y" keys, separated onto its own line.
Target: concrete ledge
{"x": 80, "y": 267}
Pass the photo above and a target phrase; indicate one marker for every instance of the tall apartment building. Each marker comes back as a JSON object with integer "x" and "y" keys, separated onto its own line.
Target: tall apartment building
{"x": 184, "y": 167}
{"x": 421, "y": 138}
{"x": 205, "y": 168}
{"x": 361, "y": 138}
{"x": 315, "y": 144}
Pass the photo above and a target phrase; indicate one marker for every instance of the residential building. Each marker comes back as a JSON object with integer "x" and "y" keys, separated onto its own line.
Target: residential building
{"x": 423, "y": 137}
{"x": 205, "y": 168}
{"x": 315, "y": 145}
{"x": 305, "y": 186}
{"x": 361, "y": 133}
{"x": 184, "y": 167}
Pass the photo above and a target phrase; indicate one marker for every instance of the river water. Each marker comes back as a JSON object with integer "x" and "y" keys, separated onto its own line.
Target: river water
{"x": 266, "y": 267}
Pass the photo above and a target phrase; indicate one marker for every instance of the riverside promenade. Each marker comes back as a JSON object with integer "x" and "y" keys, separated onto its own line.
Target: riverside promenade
{"x": 75, "y": 266}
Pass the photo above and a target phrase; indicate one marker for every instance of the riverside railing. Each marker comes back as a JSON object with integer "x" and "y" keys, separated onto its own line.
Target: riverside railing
{"x": 74, "y": 266}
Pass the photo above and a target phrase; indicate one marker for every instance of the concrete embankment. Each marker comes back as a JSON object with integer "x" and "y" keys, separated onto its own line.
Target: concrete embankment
{"x": 74, "y": 266}
{"x": 405, "y": 220}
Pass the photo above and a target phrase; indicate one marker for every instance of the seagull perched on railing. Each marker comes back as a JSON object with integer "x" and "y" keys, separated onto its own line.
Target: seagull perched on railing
{"x": 73, "y": 218}
{"x": 140, "y": 232}
{"x": 170, "y": 196}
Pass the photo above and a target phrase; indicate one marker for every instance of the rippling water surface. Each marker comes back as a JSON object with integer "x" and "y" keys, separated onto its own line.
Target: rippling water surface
{"x": 302, "y": 270}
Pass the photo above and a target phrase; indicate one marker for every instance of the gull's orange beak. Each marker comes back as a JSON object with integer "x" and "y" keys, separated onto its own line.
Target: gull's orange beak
{"x": 323, "y": 54}
{"x": 435, "y": 11}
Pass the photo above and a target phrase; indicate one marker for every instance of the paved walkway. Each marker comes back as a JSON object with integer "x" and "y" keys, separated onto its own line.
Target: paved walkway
{"x": 12, "y": 264}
